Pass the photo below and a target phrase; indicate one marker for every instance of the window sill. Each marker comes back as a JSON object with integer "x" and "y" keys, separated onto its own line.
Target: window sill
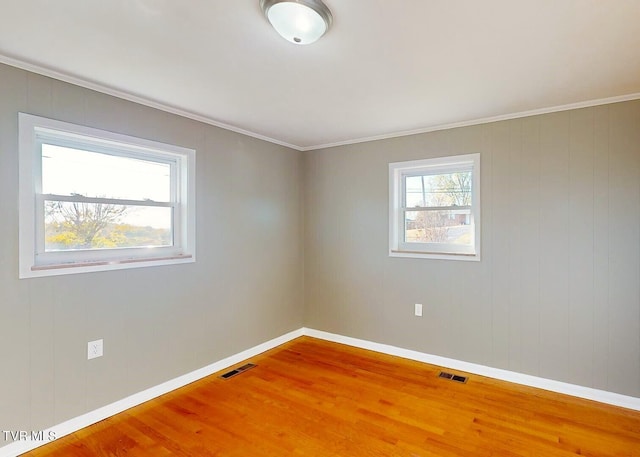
{"x": 435, "y": 255}
{"x": 37, "y": 271}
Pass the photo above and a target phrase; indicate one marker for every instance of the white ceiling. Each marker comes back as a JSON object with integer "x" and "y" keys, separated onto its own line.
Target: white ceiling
{"x": 385, "y": 67}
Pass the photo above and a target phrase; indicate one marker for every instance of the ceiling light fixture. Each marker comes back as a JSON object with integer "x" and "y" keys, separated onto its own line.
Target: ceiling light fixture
{"x": 298, "y": 21}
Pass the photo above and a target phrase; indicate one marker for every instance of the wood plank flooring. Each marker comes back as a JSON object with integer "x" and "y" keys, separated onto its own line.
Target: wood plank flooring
{"x": 314, "y": 398}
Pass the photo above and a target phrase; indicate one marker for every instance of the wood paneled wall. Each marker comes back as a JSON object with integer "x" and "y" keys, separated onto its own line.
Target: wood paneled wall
{"x": 557, "y": 293}
{"x": 161, "y": 322}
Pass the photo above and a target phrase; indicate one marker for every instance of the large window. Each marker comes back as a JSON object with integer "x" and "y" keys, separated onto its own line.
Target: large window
{"x": 434, "y": 208}
{"x": 94, "y": 200}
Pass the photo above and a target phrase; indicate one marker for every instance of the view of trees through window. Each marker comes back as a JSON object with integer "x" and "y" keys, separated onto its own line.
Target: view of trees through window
{"x": 81, "y": 225}
{"x": 96, "y": 200}
{"x": 438, "y": 208}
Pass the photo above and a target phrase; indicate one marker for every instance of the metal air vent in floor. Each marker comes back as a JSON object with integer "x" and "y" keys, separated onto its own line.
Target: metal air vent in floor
{"x": 453, "y": 377}
{"x": 237, "y": 371}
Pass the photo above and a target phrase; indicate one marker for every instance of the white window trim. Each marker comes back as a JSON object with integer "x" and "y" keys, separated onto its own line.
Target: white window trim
{"x": 32, "y": 264}
{"x": 397, "y": 246}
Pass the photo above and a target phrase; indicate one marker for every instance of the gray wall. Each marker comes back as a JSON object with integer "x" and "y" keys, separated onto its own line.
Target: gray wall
{"x": 557, "y": 293}
{"x": 161, "y": 322}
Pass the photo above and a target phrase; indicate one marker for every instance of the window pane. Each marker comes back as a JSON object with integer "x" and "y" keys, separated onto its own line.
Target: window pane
{"x": 447, "y": 189}
{"x": 68, "y": 171}
{"x": 451, "y": 227}
{"x": 72, "y": 225}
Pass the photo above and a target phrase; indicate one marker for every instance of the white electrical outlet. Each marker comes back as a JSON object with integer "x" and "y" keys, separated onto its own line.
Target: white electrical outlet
{"x": 94, "y": 349}
{"x": 418, "y": 310}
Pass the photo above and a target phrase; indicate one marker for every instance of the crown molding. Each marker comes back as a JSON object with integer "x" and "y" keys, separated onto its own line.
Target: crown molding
{"x": 102, "y": 88}
{"x": 482, "y": 120}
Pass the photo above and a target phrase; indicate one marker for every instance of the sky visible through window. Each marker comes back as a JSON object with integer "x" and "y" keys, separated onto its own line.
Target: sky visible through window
{"x": 68, "y": 171}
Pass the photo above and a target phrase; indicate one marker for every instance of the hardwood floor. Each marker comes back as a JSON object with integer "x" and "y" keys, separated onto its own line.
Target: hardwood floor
{"x": 314, "y": 398}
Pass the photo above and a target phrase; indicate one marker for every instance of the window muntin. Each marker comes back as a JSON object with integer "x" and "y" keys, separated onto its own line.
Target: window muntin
{"x": 435, "y": 208}
{"x": 94, "y": 200}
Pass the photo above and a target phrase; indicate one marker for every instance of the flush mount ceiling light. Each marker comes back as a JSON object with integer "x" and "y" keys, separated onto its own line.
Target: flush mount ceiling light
{"x": 298, "y": 21}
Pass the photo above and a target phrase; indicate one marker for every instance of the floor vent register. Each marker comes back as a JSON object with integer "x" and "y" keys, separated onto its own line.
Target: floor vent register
{"x": 453, "y": 377}
{"x": 237, "y": 371}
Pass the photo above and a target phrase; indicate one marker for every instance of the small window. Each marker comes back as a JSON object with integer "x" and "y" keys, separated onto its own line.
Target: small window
{"x": 434, "y": 208}
{"x": 93, "y": 200}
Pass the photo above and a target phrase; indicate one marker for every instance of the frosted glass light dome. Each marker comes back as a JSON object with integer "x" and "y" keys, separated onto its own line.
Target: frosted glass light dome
{"x": 298, "y": 21}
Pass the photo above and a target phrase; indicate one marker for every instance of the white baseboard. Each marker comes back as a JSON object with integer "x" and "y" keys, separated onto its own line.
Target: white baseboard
{"x": 66, "y": 428}
{"x": 588, "y": 393}
{"x": 16, "y": 448}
